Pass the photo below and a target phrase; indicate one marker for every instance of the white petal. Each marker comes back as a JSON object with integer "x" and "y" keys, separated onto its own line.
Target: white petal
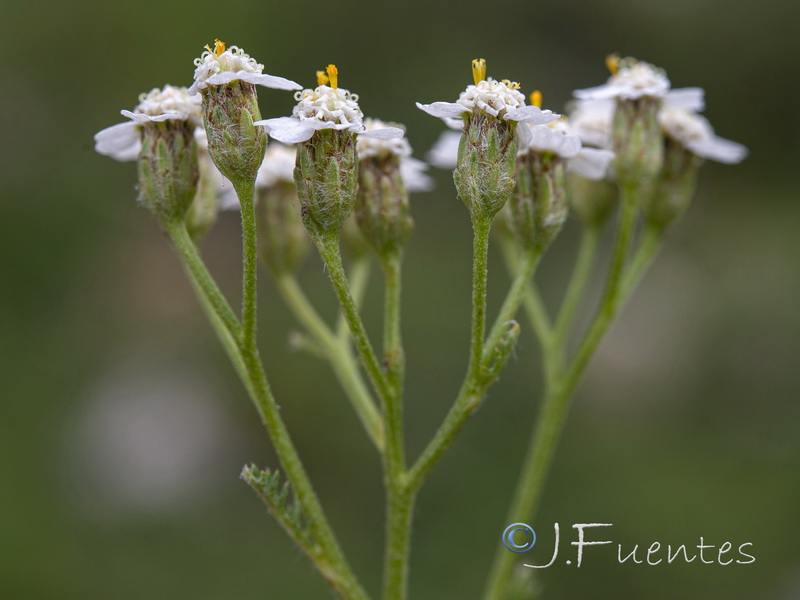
{"x": 287, "y": 129}
{"x": 531, "y": 114}
{"x": 719, "y": 149}
{"x": 443, "y": 109}
{"x": 277, "y": 122}
{"x": 690, "y": 99}
{"x": 591, "y": 163}
{"x": 599, "y": 92}
{"x": 387, "y": 133}
{"x": 270, "y": 81}
{"x": 143, "y": 118}
{"x": 120, "y": 141}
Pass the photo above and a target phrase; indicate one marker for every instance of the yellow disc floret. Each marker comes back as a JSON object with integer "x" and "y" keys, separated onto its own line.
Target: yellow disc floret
{"x": 612, "y": 63}
{"x": 478, "y": 70}
{"x": 333, "y": 76}
{"x": 322, "y": 78}
{"x": 536, "y": 98}
{"x": 219, "y": 48}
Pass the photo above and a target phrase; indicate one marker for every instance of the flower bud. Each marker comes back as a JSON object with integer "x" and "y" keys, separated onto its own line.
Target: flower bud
{"x": 496, "y": 358}
{"x": 538, "y": 207}
{"x": 484, "y": 175}
{"x": 326, "y": 176}
{"x": 168, "y": 171}
{"x": 382, "y": 207}
{"x": 637, "y": 140}
{"x": 676, "y": 186}
{"x": 234, "y": 143}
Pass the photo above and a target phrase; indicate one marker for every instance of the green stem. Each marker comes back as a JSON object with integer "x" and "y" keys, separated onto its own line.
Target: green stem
{"x": 245, "y": 190}
{"x": 471, "y": 392}
{"x": 643, "y": 257}
{"x": 577, "y": 285}
{"x": 328, "y": 246}
{"x": 338, "y": 353}
{"x": 358, "y": 277}
{"x": 400, "y": 500}
{"x": 400, "y": 513}
{"x": 559, "y": 389}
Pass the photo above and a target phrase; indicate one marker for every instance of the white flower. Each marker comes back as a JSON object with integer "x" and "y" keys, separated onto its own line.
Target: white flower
{"x": 123, "y": 140}
{"x": 324, "y": 107}
{"x": 220, "y": 66}
{"x": 592, "y": 119}
{"x": 695, "y": 133}
{"x": 630, "y": 80}
{"x": 501, "y": 99}
{"x": 412, "y": 171}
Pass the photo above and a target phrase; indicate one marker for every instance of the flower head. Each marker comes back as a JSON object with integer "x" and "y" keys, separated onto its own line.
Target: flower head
{"x": 499, "y": 99}
{"x": 123, "y": 141}
{"x": 222, "y": 65}
{"x": 630, "y": 79}
{"x": 324, "y": 107}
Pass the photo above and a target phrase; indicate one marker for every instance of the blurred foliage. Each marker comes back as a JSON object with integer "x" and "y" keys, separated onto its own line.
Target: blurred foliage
{"x": 688, "y": 423}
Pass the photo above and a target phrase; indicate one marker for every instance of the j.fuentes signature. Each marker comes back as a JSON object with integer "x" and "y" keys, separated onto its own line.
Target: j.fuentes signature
{"x": 521, "y": 537}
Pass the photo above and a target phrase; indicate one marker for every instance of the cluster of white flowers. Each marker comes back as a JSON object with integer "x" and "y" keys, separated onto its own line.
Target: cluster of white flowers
{"x": 123, "y": 140}
{"x": 223, "y": 65}
{"x": 593, "y": 113}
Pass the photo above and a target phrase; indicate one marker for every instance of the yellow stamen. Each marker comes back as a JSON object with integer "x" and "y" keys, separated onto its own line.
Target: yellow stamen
{"x": 478, "y": 70}
{"x": 612, "y": 63}
{"x": 322, "y": 78}
{"x": 536, "y": 98}
{"x": 333, "y": 75}
{"x": 219, "y": 48}
{"x": 512, "y": 85}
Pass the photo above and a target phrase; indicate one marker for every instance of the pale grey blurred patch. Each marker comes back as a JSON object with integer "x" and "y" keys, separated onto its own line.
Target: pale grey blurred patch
{"x": 661, "y": 333}
{"x": 150, "y": 438}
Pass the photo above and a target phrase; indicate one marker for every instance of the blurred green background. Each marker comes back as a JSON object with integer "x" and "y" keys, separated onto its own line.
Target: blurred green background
{"x": 123, "y": 428}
